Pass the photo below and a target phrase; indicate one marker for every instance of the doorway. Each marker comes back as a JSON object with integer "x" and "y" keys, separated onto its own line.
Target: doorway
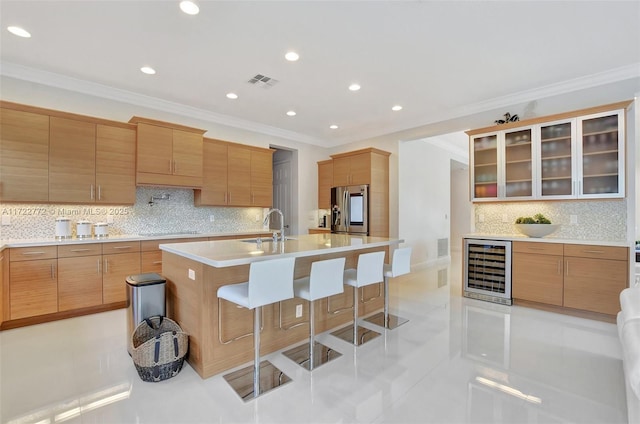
{"x": 284, "y": 186}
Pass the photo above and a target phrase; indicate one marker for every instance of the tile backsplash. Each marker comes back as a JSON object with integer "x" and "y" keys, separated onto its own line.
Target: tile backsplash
{"x": 173, "y": 214}
{"x": 604, "y": 220}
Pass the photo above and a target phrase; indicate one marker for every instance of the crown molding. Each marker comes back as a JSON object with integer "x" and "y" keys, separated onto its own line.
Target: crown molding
{"x": 52, "y": 79}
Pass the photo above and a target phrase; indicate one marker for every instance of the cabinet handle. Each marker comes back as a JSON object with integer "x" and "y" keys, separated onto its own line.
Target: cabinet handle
{"x": 99, "y": 192}
{"x": 567, "y": 269}
{"x": 32, "y": 253}
{"x": 80, "y": 250}
{"x": 91, "y": 191}
{"x": 157, "y": 262}
{"x": 535, "y": 248}
{"x": 593, "y": 251}
{"x": 170, "y": 166}
{"x": 106, "y": 266}
{"x": 121, "y": 247}
{"x": 175, "y": 167}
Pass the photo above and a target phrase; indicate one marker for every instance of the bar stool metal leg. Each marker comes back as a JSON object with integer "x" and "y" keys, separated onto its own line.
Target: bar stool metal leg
{"x": 256, "y": 351}
{"x": 385, "y": 319}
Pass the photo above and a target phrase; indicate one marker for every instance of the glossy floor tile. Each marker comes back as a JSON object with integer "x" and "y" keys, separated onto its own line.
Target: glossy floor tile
{"x": 457, "y": 360}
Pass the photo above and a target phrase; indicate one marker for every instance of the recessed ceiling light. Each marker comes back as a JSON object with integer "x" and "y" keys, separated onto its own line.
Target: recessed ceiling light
{"x": 148, "y": 70}
{"x": 232, "y": 96}
{"x": 20, "y": 32}
{"x": 354, "y": 87}
{"x": 333, "y": 127}
{"x": 291, "y": 113}
{"x": 396, "y": 108}
{"x": 292, "y": 56}
{"x": 189, "y": 7}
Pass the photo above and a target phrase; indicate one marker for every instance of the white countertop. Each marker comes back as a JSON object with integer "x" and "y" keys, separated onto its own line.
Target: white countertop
{"x": 226, "y": 253}
{"x": 52, "y": 241}
{"x": 521, "y": 237}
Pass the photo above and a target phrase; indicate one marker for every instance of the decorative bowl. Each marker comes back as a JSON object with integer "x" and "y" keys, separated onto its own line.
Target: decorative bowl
{"x": 537, "y": 230}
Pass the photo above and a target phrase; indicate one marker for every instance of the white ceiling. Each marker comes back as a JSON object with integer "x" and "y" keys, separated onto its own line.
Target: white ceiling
{"x": 440, "y": 60}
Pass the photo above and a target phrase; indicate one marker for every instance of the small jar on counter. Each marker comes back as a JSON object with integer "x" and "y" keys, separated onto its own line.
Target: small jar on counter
{"x": 83, "y": 229}
{"x": 101, "y": 229}
{"x": 63, "y": 228}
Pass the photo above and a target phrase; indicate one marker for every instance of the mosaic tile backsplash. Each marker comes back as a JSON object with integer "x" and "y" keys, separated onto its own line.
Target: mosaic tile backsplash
{"x": 173, "y": 214}
{"x": 596, "y": 220}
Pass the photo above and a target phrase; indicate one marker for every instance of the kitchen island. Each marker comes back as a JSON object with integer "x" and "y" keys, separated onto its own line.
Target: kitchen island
{"x": 220, "y": 332}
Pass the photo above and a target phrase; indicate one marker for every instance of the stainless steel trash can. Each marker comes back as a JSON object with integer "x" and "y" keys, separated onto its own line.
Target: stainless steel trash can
{"x": 145, "y": 298}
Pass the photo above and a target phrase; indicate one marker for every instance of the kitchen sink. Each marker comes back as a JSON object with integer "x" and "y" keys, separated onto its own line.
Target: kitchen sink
{"x": 265, "y": 239}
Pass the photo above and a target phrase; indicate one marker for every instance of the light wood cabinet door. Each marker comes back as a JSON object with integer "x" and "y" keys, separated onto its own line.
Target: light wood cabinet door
{"x": 115, "y": 165}
{"x": 341, "y": 171}
{"x": 262, "y": 178}
{"x": 325, "y": 182}
{"x": 79, "y": 282}
{"x": 360, "y": 166}
{"x": 155, "y": 149}
{"x": 594, "y": 284}
{"x": 239, "y": 175}
{"x": 116, "y": 268}
{"x": 24, "y": 153}
{"x": 537, "y": 278}
{"x": 214, "y": 174}
{"x": 187, "y": 154}
{"x": 33, "y": 288}
{"x": 72, "y": 160}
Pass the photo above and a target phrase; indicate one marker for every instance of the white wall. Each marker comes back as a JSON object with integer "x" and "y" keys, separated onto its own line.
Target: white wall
{"x": 424, "y": 174}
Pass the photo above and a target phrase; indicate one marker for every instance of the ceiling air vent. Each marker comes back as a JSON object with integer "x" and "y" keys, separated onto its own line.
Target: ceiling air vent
{"x": 262, "y": 81}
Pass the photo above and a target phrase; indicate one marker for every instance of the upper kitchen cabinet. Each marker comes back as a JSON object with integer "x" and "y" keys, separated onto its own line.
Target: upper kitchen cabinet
{"x": 235, "y": 175}
{"x": 24, "y": 153}
{"x": 601, "y": 155}
{"x": 574, "y": 155}
{"x": 351, "y": 169}
{"x": 168, "y": 154}
{"x": 91, "y": 162}
{"x": 325, "y": 182}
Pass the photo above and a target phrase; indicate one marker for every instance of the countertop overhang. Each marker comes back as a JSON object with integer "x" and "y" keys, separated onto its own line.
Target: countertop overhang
{"x": 226, "y": 253}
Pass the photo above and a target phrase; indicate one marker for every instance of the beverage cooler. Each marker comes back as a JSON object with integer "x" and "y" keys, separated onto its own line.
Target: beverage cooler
{"x": 487, "y": 270}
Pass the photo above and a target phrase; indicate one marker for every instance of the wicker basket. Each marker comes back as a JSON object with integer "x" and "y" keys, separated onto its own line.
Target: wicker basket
{"x": 159, "y": 348}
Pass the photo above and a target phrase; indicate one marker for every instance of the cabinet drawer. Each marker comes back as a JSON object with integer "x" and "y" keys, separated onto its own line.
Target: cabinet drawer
{"x": 151, "y": 245}
{"x": 535, "y": 247}
{"x": 120, "y": 247}
{"x": 152, "y": 261}
{"x": 75, "y": 250}
{"x": 596, "y": 252}
{"x": 32, "y": 253}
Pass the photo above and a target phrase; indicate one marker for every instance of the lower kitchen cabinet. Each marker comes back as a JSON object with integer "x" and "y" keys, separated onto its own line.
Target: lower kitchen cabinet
{"x": 33, "y": 288}
{"x": 594, "y": 276}
{"x": 119, "y": 260}
{"x": 79, "y": 282}
{"x": 537, "y": 272}
{"x": 583, "y": 277}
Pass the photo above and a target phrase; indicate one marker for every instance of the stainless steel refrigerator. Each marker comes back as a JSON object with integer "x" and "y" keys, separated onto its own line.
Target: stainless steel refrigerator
{"x": 350, "y": 209}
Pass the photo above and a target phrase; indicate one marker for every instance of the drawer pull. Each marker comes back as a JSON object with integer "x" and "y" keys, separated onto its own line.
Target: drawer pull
{"x": 122, "y": 247}
{"x": 535, "y": 248}
{"x": 32, "y": 253}
{"x": 593, "y": 251}
{"x": 80, "y": 250}
{"x": 157, "y": 262}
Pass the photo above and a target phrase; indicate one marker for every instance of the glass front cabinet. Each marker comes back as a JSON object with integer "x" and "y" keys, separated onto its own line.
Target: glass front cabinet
{"x": 576, "y": 157}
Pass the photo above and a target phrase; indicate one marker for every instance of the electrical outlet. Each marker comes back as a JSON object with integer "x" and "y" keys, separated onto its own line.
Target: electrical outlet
{"x": 573, "y": 219}
{"x": 212, "y": 218}
{"x": 480, "y": 217}
{"x": 257, "y": 218}
{"x": 298, "y": 311}
{"x": 505, "y": 218}
{"x": 192, "y": 274}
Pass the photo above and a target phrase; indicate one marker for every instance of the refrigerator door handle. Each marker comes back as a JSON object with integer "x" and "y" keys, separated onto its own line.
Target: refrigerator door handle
{"x": 346, "y": 211}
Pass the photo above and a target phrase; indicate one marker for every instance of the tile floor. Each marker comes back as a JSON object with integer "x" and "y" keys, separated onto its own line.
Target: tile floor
{"x": 456, "y": 361}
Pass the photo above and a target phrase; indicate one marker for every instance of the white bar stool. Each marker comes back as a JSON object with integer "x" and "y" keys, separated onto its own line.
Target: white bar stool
{"x": 269, "y": 282}
{"x": 400, "y": 265}
{"x": 325, "y": 279}
{"x": 369, "y": 271}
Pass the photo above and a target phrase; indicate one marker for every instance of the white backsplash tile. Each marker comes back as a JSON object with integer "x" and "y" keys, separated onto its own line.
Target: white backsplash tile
{"x": 175, "y": 214}
{"x": 604, "y": 220}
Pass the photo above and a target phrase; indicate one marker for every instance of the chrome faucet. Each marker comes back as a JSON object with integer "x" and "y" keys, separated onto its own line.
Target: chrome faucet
{"x": 266, "y": 219}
